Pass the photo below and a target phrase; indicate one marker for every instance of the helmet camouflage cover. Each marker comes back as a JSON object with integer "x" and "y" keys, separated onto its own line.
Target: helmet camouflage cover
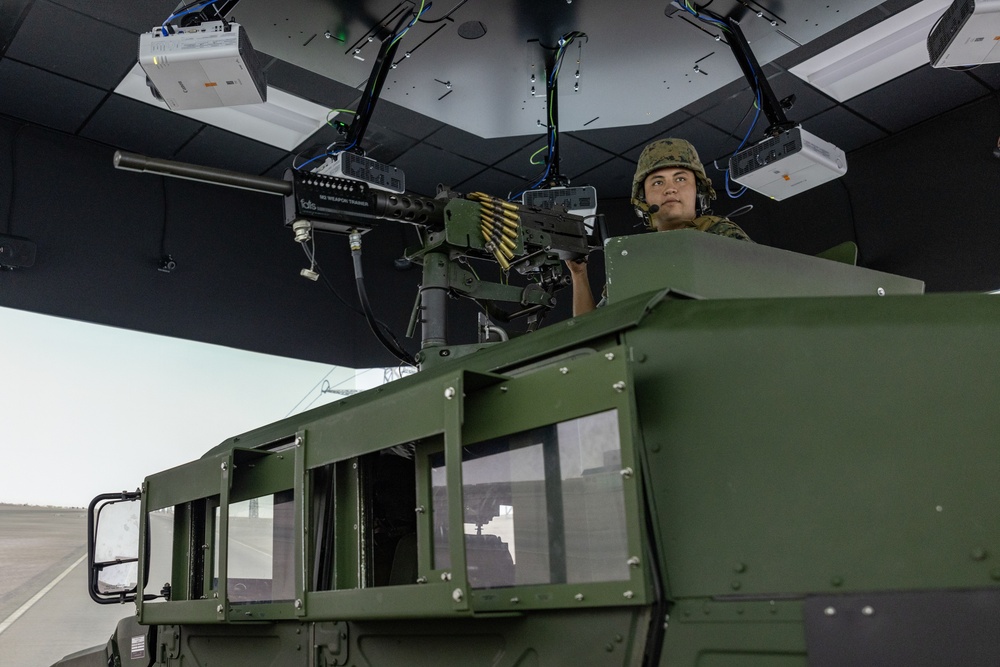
{"x": 669, "y": 153}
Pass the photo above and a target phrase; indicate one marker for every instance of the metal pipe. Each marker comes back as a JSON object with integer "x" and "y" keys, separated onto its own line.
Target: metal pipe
{"x": 195, "y": 172}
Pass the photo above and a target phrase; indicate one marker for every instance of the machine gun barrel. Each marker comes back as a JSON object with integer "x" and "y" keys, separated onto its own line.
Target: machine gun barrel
{"x": 195, "y": 172}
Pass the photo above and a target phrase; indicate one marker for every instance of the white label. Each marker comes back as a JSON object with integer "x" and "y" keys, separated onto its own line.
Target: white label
{"x": 138, "y": 647}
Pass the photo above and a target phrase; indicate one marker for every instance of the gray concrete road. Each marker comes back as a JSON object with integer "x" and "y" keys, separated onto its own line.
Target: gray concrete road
{"x": 41, "y": 622}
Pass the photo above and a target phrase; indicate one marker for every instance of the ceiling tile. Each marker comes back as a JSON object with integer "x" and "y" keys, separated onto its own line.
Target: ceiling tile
{"x": 139, "y": 17}
{"x": 707, "y": 140}
{"x": 493, "y": 182}
{"x": 906, "y": 101}
{"x": 613, "y": 179}
{"x": 45, "y": 98}
{"x": 311, "y": 86}
{"x": 444, "y": 168}
{"x": 988, "y": 75}
{"x": 466, "y": 144}
{"x": 77, "y": 46}
{"x": 575, "y": 157}
{"x": 843, "y": 129}
{"x": 142, "y": 128}
{"x": 404, "y": 121}
{"x": 213, "y": 147}
{"x": 808, "y": 100}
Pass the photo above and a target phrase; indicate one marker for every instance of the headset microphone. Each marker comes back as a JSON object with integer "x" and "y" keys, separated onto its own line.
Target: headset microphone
{"x": 653, "y": 209}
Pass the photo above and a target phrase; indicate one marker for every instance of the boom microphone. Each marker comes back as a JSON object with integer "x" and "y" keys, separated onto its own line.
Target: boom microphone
{"x": 653, "y": 209}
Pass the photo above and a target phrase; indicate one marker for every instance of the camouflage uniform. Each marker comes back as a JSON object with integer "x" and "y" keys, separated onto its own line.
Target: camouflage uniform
{"x": 680, "y": 153}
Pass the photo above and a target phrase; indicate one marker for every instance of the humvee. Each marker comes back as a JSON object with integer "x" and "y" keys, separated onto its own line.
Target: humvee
{"x": 748, "y": 457}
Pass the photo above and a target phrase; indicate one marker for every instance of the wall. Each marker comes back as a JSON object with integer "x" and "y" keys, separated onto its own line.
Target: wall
{"x": 920, "y": 204}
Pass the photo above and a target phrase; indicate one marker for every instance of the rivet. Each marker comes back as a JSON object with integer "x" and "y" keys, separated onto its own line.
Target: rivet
{"x": 867, "y": 610}
{"x": 449, "y": 393}
{"x": 740, "y": 567}
{"x": 880, "y": 291}
{"x": 578, "y": 597}
{"x": 515, "y": 600}
{"x": 624, "y": 253}
{"x": 837, "y": 581}
{"x": 564, "y": 370}
{"x": 503, "y": 389}
{"x": 939, "y": 508}
{"x": 457, "y": 595}
{"x": 619, "y": 386}
{"x": 610, "y": 356}
{"x": 735, "y": 585}
{"x": 609, "y": 648}
{"x": 830, "y": 611}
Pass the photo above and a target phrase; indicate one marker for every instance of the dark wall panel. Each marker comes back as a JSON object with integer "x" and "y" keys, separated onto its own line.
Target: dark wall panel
{"x": 237, "y": 283}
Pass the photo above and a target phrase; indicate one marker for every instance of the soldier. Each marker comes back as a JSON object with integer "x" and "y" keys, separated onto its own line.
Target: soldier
{"x": 669, "y": 190}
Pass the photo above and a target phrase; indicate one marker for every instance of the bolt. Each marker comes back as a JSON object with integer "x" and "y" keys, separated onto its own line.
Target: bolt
{"x": 740, "y": 567}
{"x": 880, "y": 291}
{"x": 633, "y": 561}
{"x": 457, "y": 595}
{"x": 328, "y": 34}
{"x": 421, "y": 580}
{"x": 619, "y": 386}
{"x": 628, "y": 595}
{"x": 626, "y": 473}
{"x": 420, "y": 509}
{"x": 837, "y": 581}
{"x": 610, "y": 356}
{"x": 564, "y": 370}
{"x": 218, "y": 610}
{"x": 578, "y": 597}
{"x": 446, "y": 576}
{"x": 449, "y": 393}
{"x": 298, "y": 604}
{"x": 224, "y": 466}
{"x": 515, "y": 600}
{"x": 867, "y": 610}
{"x": 406, "y": 55}
{"x": 830, "y": 611}
{"x": 624, "y": 253}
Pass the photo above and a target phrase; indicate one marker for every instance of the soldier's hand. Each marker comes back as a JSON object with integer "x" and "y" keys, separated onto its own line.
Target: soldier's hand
{"x": 578, "y": 267}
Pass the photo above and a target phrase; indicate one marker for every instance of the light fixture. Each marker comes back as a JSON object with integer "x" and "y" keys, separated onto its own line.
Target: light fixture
{"x": 284, "y": 120}
{"x": 888, "y": 49}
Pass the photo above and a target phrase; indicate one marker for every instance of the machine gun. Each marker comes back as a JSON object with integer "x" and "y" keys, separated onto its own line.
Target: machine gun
{"x": 453, "y": 228}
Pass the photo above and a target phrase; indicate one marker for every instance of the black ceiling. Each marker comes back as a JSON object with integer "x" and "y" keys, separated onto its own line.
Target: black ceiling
{"x": 61, "y": 60}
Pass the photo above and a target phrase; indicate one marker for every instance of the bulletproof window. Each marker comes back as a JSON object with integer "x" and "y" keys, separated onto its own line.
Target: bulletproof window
{"x": 546, "y": 505}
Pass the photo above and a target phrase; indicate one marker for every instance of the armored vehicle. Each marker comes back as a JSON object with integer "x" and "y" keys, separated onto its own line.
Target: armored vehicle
{"x": 748, "y": 457}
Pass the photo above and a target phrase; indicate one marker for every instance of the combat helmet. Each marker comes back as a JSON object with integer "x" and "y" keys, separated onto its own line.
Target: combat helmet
{"x": 669, "y": 153}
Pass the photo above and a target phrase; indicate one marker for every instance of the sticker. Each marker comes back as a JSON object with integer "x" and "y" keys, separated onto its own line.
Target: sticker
{"x": 138, "y": 647}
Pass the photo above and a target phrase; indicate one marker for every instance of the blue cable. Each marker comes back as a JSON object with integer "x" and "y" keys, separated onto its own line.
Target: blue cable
{"x": 416, "y": 18}
{"x": 191, "y": 10}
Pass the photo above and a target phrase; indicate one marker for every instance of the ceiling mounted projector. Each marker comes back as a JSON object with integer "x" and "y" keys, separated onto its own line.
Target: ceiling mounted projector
{"x": 968, "y": 33}
{"x": 202, "y": 66}
{"x": 785, "y": 165}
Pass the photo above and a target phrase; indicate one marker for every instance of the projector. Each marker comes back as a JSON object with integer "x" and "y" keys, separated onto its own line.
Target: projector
{"x": 968, "y": 33}
{"x": 203, "y": 66}
{"x": 792, "y": 162}
{"x": 360, "y": 168}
